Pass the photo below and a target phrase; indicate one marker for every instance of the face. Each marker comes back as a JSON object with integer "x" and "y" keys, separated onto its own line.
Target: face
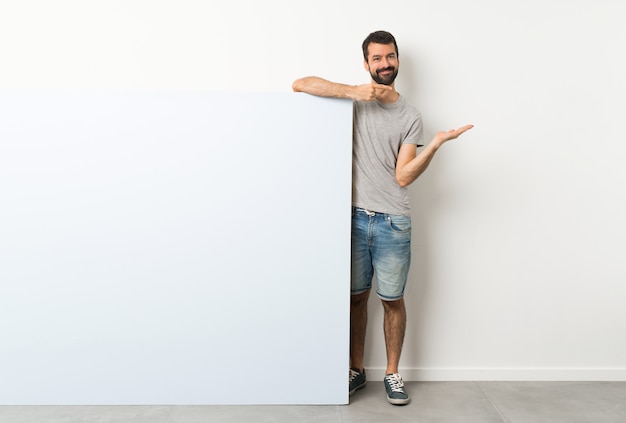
{"x": 382, "y": 63}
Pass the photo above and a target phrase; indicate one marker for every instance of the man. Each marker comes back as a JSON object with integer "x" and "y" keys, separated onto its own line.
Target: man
{"x": 387, "y": 133}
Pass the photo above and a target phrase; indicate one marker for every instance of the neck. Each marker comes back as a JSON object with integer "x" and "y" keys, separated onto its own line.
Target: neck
{"x": 390, "y": 96}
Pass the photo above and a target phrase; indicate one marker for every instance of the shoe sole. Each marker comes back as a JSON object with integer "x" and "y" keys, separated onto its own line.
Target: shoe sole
{"x": 398, "y": 401}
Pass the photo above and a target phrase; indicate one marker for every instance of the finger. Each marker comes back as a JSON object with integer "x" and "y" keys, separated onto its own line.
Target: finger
{"x": 381, "y": 86}
{"x": 462, "y": 129}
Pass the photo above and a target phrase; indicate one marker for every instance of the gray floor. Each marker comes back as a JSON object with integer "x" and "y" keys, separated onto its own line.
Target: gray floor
{"x": 567, "y": 402}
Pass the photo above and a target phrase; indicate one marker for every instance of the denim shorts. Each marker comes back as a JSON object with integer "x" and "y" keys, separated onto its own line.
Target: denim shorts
{"x": 381, "y": 246}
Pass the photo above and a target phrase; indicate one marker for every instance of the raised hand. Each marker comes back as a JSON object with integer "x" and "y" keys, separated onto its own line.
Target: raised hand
{"x": 443, "y": 136}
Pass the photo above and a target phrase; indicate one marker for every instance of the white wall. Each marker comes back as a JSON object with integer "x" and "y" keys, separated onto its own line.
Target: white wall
{"x": 518, "y": 226}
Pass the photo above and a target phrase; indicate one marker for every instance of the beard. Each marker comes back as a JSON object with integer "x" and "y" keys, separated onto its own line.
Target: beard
{"x": 385, "y": 79}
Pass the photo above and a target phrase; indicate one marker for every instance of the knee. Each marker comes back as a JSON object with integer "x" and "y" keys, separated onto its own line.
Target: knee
{"x": 394, "y": 305}
{"x": 357, "y": 300}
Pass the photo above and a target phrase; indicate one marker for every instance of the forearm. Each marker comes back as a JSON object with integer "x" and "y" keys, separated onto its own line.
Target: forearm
{"x": 407, "y": 173}
{"x": 320, "y": 87}
{"x": 410, "y": 166}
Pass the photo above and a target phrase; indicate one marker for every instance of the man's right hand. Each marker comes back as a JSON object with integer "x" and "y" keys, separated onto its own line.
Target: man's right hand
{"x": 369, "y": 92}
{"x": 321, "y": 87}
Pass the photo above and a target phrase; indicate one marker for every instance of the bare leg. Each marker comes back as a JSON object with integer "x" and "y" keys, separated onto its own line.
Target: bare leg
{"x": 358, "y": 324}
{"x": 395, "y": 326}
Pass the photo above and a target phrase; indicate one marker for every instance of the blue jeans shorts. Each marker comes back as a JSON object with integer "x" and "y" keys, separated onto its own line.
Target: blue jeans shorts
{"x": 381, "y": 246}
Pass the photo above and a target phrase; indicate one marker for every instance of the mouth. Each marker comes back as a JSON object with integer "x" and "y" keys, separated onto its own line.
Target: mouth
{"x": 385, "y": 76}
{"x": 386, "y": 71}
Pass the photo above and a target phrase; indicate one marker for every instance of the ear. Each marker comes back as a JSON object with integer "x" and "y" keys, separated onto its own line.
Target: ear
{"x": 366, "y": 66}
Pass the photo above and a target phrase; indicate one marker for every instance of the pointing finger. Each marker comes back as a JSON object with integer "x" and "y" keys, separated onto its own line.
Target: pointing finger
{"x": 381, "y": 86}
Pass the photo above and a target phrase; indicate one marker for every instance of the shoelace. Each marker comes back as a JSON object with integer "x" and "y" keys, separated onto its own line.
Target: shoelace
{"x": 395, "y": 382}
{"x": 353, "y": 375}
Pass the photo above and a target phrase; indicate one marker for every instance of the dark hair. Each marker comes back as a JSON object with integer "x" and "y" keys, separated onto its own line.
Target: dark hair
{"x": 378, "y": 37}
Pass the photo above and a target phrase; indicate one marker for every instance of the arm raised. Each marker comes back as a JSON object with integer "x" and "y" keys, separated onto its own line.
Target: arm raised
{"x": 411, "y": 165}
{"x": 321, "y": 87}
